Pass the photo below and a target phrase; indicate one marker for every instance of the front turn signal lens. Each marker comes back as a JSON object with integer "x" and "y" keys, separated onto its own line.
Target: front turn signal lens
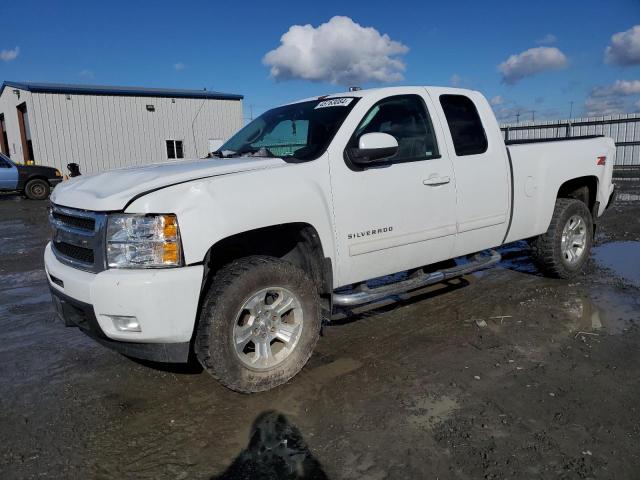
{"x": 170, "y": 227}
{"x": 170, "y": 253}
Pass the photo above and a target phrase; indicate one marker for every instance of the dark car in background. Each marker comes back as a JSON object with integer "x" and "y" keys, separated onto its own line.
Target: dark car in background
{"x": 33, "y": 181}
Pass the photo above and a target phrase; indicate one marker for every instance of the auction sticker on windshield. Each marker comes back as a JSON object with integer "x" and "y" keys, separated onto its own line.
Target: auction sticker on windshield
{"x": 335, "y": 102}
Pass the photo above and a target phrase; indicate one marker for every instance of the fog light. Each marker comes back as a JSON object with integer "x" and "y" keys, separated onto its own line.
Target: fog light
{"x": 125, "y": 323}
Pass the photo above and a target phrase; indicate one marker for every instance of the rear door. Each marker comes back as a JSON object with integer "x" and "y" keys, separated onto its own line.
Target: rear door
{"x": 8, "y": 174}
{"x": 481, "y": 168}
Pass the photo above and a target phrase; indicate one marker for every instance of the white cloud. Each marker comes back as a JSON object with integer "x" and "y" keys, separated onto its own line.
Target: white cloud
{"x": 598, "y": 106}
{"x": 460, "y": 81}
{"x": 86, "y": 73}
{"x": 179, "y": 66}
{"x": 612, "y": 99}
{"x": 548, "y": 39}
{"x": 619, "y": 87}
{"x": 531, "y": 62}
{"x": 8, "y": 55}
{"x": 509, "y": 111}
{"x": 625, "y": 48}
{"x": 339, "y": 51}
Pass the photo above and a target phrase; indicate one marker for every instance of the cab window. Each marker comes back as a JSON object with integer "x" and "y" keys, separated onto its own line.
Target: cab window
{"x": 467, "y": 132}
{"x": 404, "y": 117}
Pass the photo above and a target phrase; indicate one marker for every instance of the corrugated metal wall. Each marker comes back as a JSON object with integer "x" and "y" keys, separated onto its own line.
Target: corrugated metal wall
{"x": 624, "y": 129}
{"x": 106, "y": 132}
{"x": 101, "y": 132}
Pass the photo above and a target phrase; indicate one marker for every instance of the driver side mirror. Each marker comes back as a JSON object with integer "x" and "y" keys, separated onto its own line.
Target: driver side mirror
{"x": 374, "y": 148}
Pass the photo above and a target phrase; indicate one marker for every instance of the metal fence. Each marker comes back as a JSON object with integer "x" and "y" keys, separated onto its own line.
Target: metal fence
{"x": 624, "y": 129}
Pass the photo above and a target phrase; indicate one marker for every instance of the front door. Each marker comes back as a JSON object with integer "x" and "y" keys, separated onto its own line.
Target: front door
{"x": 399, "y": 215}
{"x": 8, "y": 174}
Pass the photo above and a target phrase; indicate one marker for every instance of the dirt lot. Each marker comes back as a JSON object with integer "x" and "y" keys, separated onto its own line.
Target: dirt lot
{"x": 505, "y": 374}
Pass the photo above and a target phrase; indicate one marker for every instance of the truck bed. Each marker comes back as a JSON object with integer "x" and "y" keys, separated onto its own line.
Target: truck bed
{"x": 539, "y": 169}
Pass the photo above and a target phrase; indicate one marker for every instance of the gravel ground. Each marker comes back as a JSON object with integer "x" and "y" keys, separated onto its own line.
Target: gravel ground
{"x": 502, "y": 374}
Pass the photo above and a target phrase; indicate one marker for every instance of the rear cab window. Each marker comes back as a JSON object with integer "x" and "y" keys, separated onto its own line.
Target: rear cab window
{"x": 467, "y": 131}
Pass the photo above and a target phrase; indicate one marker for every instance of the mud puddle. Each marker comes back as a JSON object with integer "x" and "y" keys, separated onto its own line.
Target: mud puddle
{"x": 623, "y": 258}
{"x": 604, "y": 311}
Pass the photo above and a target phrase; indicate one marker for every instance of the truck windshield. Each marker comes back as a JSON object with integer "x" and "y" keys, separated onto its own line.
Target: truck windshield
{"x": 297, "y": 132}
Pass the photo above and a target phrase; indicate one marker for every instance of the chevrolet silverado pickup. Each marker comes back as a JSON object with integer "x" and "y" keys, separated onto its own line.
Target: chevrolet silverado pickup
{"x": 237, "y": 260}
{"x": 33, "y": 181}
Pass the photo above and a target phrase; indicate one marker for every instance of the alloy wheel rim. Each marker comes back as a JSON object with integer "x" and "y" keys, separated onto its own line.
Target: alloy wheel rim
{"x": 574, "y": 239}
{"x": 267, "y": 328}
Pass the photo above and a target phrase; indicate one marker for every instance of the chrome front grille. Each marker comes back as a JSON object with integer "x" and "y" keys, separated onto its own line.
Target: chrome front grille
{"x": 78, "y": 237}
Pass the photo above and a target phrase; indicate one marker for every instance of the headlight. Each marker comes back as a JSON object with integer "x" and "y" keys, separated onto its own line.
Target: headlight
{"x": 58, "y": 174}
{"x": 143, "y": 241}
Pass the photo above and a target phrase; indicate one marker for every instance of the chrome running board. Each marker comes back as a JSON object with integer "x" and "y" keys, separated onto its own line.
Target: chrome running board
{"x": 362, "y": 294}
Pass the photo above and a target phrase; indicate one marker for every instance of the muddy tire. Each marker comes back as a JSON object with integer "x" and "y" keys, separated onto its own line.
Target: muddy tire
{"x": 37, "y": 189}
{"x": 563, "y": 250}
{"x": 259, "y": 323}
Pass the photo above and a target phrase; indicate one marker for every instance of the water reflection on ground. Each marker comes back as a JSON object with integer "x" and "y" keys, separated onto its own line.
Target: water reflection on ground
{"x": 623, "y": 258}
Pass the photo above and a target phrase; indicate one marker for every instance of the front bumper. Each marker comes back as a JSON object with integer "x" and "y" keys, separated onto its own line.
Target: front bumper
{"x": 78, "y": 314}
{"x": 164, "y": 301}
{"x": 55, "y": 181}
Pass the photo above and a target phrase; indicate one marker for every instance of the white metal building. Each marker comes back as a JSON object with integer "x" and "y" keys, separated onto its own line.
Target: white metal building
{"x": 106, "y": 127}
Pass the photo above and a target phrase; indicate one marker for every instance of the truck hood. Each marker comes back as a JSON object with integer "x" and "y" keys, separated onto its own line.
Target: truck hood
{"x": 112, "y": 190}
{"x": 49, "y": 172}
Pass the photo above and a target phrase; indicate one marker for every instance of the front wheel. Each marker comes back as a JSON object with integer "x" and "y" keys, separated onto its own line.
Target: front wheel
{"x": 563, "y": 250}
{"x": 259, "y": 323}
{"x": 37, "y": 189}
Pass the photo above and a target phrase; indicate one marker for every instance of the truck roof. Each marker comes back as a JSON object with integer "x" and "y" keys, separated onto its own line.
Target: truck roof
{"x": 365, "y": 92}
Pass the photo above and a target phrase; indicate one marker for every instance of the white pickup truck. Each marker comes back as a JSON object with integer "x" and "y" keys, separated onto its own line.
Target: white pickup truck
{"x": 237, "y": 260}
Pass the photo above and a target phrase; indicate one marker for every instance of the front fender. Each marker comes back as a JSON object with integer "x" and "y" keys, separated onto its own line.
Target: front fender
{"x": 212, "y": 209}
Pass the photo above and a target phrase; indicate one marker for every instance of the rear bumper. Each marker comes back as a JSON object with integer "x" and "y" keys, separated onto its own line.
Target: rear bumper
{"x": 79, "y": 314}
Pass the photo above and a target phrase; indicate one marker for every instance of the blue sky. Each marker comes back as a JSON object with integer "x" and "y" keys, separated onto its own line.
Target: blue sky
{"x": 221, "y": 45}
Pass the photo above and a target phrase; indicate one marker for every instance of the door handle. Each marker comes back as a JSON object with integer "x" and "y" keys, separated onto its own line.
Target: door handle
{"x": 435, "y": 180}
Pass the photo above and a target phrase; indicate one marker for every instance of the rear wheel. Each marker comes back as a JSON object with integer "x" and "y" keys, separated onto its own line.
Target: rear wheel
{"x": 563, "y": 250}
{"x": 37, "y": 189}
{"x": 259, "y": 324}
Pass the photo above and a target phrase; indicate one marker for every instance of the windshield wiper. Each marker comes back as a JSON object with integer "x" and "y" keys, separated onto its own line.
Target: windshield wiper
{"x": 224, "y": 153}
{"x": 249, "y": 152}
{"x": 262, "y": 152}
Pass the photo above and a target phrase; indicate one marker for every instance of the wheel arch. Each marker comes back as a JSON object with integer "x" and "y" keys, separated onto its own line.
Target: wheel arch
{"x": 297, "y": 242}
{"x": 584, "y": 189}
{"x": 22, "y": 182}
